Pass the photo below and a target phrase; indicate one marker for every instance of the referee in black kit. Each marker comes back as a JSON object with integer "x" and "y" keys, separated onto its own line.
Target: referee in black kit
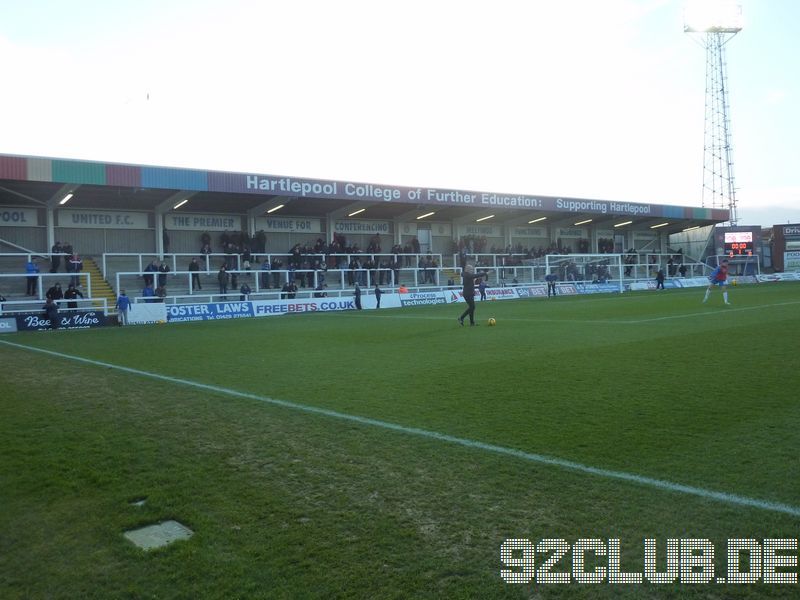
{"x": 468, "y": 277}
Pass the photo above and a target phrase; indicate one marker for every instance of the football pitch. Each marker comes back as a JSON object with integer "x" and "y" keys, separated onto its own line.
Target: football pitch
{"x": 391, "y": 453}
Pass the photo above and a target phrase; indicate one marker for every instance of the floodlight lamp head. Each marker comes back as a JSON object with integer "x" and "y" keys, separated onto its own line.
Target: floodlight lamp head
{"x": 712, "y": 16}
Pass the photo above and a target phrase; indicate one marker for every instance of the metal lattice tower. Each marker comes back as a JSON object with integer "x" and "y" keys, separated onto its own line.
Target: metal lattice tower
{"x": 717, "y": 30}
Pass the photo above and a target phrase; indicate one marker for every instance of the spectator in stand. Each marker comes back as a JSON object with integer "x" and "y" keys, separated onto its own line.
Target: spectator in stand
{"x": 51, "y": 312}
{"x": 245, "y": 292}
{"x": 165, "y": 240}
{"x": 55, "y": 257}
{"x": 55, "y": 292}
{"x": 277, "y": 265}
{"x": 682, "y": 270}
{"x": 32, "y": 279}
{"x": 194, "y": 269}
{"x": 163, "y": 269}
{"x": 402, "y": 289}
{"x": 123, "y": 305}
{"x": 148, "y": 293}
{"x": 378, "y": 294}
{"x": 289, "y": 290}
{"x": 261, "y": 241}
{"x": 319, "y": 291}
{"x": 72, "y": 294}
{"x": 247, "y": 257}
{"x": 66, "y": 248}
{"x": 395, "y": 267}
{"x": 482, "y": 288}
{"x": 265, "y": 275}
{"x": 149, "y": 278}
{"x": 372, "y": 267}
{"x": 75, "y": 266}
{"x": 205, "y": 249}
{"x": 234, "y": 279}
{"x": 161, "y": 293}
{"x": 223, "y": 278}
{"x": 205, "y": 240}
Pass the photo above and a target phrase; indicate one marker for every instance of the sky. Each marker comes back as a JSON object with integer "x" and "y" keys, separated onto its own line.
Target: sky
{"x": 580, "y": 98}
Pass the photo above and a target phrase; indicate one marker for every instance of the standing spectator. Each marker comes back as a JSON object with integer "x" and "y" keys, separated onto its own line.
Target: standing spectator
{"x": 223, "y": 278}
{"x": 265, "y": 269}
{"x": 247, "y": 257}
{"x": 51, "y": 311}
{"x": 161, "y": 293}
{"x": 148, "y": 293}
{"x": 482, "y": 288}
{"x": 205, "y": 248}
{"x": 149, "y": 278}
{"x": 395, "y": 267}
{"x": 72, "y": 294}
{"x": 245, "y": 292}
{"x": 55, "y": 257}
{"x": 194, "y": 268}
{"x": 357, "y": 294}
{"x": 277, "y": 265}
{"x": 55, "y": 292}
{"x": 66, "y": 248}
{"x": 163, "y": 269}
{"x": 123, "y": 305}
{"x": 261, "y": 241}
{"x": 32, "y": 270}
{"x": 682, "y": 270}
{"x": 378, "y": 293}
{"x": 165, "y": 239}
{"x": 75, "y": 266}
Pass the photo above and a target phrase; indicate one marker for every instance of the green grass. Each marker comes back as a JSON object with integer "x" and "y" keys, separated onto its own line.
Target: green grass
{"x": 292, "y": 504}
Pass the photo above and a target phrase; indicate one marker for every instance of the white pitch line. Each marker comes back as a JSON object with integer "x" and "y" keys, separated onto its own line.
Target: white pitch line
{"x": 721, "y": 311}
{"x": 659, "y": 484}
{"x": 711, "y": 311}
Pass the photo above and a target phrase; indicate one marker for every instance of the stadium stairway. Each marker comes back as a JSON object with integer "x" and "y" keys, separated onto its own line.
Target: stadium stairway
{"x": 100, "y": 287}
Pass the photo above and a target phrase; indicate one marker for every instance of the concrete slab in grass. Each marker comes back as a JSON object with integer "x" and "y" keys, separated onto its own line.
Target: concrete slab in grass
{"x": 158, "y": 535}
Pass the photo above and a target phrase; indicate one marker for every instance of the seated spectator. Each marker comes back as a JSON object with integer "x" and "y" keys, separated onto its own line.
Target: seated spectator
{"x": 245, "y": 292}
{"x": 148, "y": 293}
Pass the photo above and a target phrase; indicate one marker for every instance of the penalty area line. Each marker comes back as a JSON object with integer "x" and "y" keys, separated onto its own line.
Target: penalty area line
{"x": 658, "y": 484}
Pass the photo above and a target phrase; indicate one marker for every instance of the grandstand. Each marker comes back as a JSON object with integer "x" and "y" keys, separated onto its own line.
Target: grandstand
{"x": 325, "y": 235}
